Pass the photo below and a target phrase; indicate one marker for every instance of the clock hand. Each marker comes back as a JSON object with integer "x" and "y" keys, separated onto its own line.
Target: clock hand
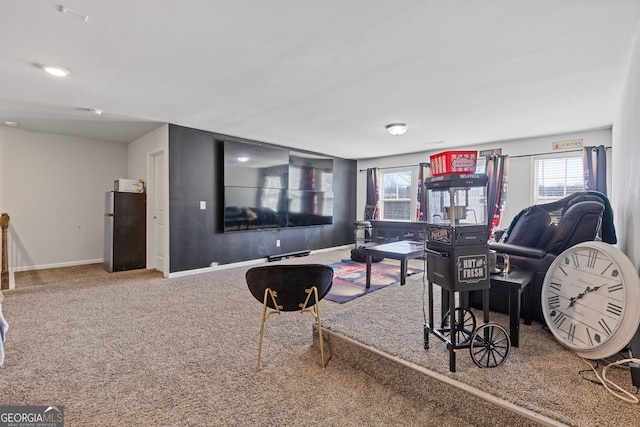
{"x": 581, "y": 294}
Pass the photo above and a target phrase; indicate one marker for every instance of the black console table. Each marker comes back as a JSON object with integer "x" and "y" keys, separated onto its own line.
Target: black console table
{"x": 392, "y": 231}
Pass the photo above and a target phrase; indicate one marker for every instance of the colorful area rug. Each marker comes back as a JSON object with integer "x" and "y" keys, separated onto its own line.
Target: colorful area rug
{"x": 350, "y": 278}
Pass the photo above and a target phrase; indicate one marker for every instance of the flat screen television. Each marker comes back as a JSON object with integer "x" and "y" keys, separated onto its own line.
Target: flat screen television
{"x": 309, "y": 208}
{"x": 267, "y": 187}
{"x": 258, "y": 166}
{"x": 251, "y": 208}
{"x": 310, "y": 172}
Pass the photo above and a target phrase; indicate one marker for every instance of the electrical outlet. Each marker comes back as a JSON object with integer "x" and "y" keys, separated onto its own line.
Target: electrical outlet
{"x": 277, "y": 243}
{"x": 203, "y": 204}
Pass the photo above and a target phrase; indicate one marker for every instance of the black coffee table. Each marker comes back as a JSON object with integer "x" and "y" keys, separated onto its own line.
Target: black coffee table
{"x": 402, "y": 250}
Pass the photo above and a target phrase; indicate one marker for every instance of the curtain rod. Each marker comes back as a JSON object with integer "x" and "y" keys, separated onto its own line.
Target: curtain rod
{"x": 512, "y": 157}
{"x": 396, "y": 167}
{"x": 544, "y": 154}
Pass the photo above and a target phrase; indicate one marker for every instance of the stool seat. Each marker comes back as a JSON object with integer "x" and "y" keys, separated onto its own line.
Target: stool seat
{"x": 366, "y": 232}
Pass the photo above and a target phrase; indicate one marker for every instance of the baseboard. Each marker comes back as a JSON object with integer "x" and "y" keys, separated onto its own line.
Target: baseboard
{"x": 56, "y": 265}
{"x": 214, "y": 268}
{"x": 243, "y": 263}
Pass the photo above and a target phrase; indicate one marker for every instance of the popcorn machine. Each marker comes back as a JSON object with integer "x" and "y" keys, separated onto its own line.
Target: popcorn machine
{"x": 457, "y": 261}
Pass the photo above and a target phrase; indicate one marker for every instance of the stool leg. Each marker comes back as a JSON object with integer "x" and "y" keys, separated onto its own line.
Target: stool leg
{"x": 264, "y": 317}
{"x": 317, "y": 315}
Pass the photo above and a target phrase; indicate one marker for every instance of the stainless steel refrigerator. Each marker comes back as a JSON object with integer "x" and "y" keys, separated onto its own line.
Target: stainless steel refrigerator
{"x": 125, "y": 231}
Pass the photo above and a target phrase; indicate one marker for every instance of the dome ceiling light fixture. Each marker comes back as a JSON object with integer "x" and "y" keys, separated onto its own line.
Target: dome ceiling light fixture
{"x": 397, "y": 128}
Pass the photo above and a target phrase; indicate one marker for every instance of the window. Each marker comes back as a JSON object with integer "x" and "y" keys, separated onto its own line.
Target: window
{"x": 557, "y": 177}
{"x": 397, "y": 191}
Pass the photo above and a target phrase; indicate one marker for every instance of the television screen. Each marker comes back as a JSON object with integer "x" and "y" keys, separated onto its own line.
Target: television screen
{"x": 250, "y": 165}
{"x": 310, "y": 172}
{"x": 251, "y": 208}
{"x": 266, "y": 187}
{"x": 310, "y": 208}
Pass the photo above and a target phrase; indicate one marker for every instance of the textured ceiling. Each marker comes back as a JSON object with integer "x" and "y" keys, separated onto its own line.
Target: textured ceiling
{"x": 325, "y": 76}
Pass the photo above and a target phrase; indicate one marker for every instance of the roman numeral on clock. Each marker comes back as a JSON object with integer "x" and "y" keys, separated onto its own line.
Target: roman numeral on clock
{"x": 576, "y": 261}
{"x": 616, "y": 287}
{"x": 572, "y": 332}
{"x": 605, "y": 270}
{"x": 560, "y": 319}
{"x": 555, "y": 286}
{"x": 614, "y": 309}
{"x": 605, "y": 327}
{"x": 554, "y": 301}
{"x": 591, "y": 260}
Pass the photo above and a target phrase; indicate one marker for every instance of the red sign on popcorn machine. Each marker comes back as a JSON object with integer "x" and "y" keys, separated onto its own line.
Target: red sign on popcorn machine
{"x": 461, "y": 161}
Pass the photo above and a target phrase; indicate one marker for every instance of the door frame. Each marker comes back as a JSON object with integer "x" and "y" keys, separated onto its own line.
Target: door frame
{"x": 151, "y": 184}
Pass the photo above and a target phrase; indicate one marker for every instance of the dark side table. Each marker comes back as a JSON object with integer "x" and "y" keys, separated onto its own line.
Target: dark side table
{"x": 516, "y": 283}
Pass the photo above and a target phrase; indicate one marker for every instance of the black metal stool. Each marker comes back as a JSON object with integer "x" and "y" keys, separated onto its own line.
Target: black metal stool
{"x": 364, "y": 228}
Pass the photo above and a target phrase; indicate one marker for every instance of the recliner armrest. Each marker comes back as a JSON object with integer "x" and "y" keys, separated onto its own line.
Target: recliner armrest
{"x": 506, "y": 248}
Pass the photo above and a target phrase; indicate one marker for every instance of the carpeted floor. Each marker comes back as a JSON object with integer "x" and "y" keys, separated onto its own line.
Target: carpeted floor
{"x": 133, "y": 348}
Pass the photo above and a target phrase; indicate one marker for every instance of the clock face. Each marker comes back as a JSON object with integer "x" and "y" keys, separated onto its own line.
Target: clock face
{"x": 590, "y": 297}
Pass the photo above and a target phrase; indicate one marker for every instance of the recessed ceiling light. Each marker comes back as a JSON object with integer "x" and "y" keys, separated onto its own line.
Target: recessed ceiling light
{"x": 74, "y": 13}
{"x": 11, "y": 124}
{"x": 96, "y": 111}
{"x": 243, "y": 159}
{"x": 55, "y": 71}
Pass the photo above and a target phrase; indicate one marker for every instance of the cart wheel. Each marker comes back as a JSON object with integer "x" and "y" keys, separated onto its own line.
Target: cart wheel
{"x": 465, "y": 324}
{"x": 490, "y": 345}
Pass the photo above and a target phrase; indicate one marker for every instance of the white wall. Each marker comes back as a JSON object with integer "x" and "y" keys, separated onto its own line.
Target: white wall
{"x": 626, "y": 156}
{"x": 520, "y": 186}
{"x": 139, "y": 152}
{"x": 53, "y": 188}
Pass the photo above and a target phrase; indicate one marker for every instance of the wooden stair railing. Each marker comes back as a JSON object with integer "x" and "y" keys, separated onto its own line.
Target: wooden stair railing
{"x": 4, "y": 224}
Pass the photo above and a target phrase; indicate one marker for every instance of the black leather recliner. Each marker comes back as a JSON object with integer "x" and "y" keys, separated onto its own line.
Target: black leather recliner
{"x": 533, "y": 240}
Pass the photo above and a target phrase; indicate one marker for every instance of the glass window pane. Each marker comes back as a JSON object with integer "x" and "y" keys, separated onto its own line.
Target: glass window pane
{"x": 396, "y": 195}
{"x": 397, "y": 210}
{"x": 557, "y": 178}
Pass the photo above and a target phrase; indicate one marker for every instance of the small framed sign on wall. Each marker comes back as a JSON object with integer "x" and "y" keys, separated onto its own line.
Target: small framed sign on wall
{"x": 490, "y": 152}
{"x": 572, "y": 143}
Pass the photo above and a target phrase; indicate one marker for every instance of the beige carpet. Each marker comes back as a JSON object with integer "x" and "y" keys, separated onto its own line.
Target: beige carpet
{"x": 133, "y": 348}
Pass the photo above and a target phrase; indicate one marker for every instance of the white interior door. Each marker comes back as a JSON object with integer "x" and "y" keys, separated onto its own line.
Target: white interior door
{"x": 159, "y": 213}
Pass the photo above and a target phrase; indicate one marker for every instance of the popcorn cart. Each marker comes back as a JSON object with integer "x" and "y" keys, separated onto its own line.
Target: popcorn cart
{"x": 457, "y": 261}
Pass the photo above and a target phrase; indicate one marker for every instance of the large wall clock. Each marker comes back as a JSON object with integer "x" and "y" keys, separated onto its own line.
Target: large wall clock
{"x": 591, "y": 299}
